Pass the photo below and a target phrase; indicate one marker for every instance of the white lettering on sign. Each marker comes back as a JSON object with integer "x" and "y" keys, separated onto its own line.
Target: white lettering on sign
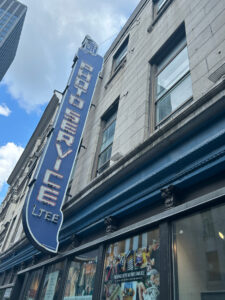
{"x": 59, "y": 161}
{"x": 69, "y": 126}
{"x": 47, "y": 181}
{"x": 47, "y": 215}
{"x": 65, "y": 137}
{"x": 47, "y": 195}
{"x": 76, "y": 101}
{"x": 61, "y": 154}
{"x": 49, "y": 191}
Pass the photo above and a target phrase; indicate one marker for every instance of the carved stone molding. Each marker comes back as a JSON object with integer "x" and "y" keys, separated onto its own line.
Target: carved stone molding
{"x": 169, "y": 197}
{"x": 111, "y": 224}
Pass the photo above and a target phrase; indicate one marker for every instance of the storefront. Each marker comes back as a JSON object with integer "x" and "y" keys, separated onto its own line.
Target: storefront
{"x": 177, "y": 254}
{"x": 143, "y": 216}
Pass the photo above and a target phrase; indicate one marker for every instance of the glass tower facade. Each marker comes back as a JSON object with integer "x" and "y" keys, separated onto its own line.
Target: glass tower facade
{"x": 12, "y": 15}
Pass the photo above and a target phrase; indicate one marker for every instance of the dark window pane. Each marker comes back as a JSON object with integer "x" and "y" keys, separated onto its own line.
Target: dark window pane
{"x": 132, "y": 268}
{"x": 161, "y": 3}
{"x": 199, "y": 255}
{"x": 2, "y": 293}
{"x": 172, "y": 73}
{"x": 108, "y": 129}
{"x": 108, "y": 135}
{"x": 120, "y": 54}
{"x": 33, "y": 285}
{"x": 104, "y": 157}
{"x": 81, "y": 276}
{"x": 173, "y": 99}
{"x": 7, "y": 277}
{"x": 51, "y": 282}
{"x": 6, "y": 294}
{"x": 120, "y": 57}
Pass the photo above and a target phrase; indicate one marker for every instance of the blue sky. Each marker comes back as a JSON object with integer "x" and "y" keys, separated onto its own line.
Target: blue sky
{"x": 52, "y": 32}
{"x": 18, "y": 126}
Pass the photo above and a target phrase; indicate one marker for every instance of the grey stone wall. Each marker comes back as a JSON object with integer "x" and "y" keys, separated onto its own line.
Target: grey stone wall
{"x": 205, "y": 33}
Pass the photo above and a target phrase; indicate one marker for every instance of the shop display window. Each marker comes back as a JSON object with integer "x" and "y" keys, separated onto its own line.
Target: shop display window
{"x": 2, "y": 293}
{"x": 1, "y": 279}
{"x": 51, "y": 283}
{"x": 81, "y": 276}
{"x": 131, "y": 270}
{"x": 199, "y": 256}
{"x": 8, "y": 277}
{"x": 7, "y": 293}
{"x": 33, "y": 285}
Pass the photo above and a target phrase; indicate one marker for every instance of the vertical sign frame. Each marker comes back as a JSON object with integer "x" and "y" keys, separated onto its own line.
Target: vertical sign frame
{"x": 42, "y": 211}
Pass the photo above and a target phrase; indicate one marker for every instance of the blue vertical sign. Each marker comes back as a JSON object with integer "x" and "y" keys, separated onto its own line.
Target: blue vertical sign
{"x": 42, "y": 211}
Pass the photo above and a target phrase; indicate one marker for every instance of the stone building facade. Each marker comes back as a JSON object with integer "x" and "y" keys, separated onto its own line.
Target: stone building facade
{"x": 145, "y": 205}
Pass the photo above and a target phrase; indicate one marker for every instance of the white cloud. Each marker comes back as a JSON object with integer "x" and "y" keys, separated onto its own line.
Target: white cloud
{"x": 52, "y": 32}
{"x": 9, "y": 154}
{"x": 4, "y": 110}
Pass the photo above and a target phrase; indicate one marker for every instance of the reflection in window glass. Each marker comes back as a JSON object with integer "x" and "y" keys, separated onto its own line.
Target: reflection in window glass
{"x": 120, "y": 54}
{"x": 199, "y": 256}
{"x": 7, "y": 277}
{"x": 174, "y": 71}
{"x": 132, "y": 268}
{"x": 173, "y": 86}
{"x": 171, "y": 101}
{"x": 33, "y": 285}
{"x": 161, "y": 3}
{"x": 108, "y": 134}
{"x": 107, "y": 140}
{"x": 2, "y": 293}
{"x": 6, "y": 294}
{"x": 81, "y": 276}
{"x": 51, "y": 282}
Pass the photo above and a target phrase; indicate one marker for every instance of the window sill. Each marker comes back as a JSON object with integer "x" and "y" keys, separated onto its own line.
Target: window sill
{"x": 158, "y": 15}
{"x": 118, "y": 68}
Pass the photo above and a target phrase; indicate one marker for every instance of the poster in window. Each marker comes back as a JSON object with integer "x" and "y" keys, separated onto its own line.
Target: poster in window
{"x": 7, "y": 293}
{"x": 32, "y": 289}
{"x": 80, "y": 280}
{"x": 132, "y": 269}
{"x": 51, "y": 285}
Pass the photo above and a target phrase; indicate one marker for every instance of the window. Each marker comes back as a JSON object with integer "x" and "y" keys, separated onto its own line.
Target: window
{"x": 50, "y": 288}
{"x": 199, "y": 255}
{"x": 17, "y": 227}
{"x": 8, "y": 276}
{"x": 81, "y": 277}
{"x": 6, "y": 293}
{"x": 160, "y": 4}
{"x": 33, "y": 285}
{"x": 172, "y": 80}
{"x": 158, "y": 9}
{"x": 108, "y": 130}
{"x": 120, "y": 55}
{"x": 131, "y": 268}
{"x": 8, "y": 233}
{"x": 2, "y": 293}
